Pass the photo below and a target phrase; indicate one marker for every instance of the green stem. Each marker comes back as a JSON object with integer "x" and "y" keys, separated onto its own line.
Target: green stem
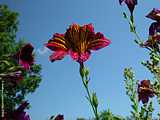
{"x": 88, "y": 93}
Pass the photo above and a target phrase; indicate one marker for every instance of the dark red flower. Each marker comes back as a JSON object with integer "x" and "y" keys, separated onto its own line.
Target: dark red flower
{"x": 59, "y": 117}
{"x": 25, "y": 56}
{"x": 154, "y": 14}
{"x": 78, "y": 41}
{"x": 154, "y": 32}
{"x": 154, "y": 29}
{"x": 130, "y": 4}
{"x": 20, "y": 114}
{"x": 153, "y": 43}
{"x": 145, "y": 91}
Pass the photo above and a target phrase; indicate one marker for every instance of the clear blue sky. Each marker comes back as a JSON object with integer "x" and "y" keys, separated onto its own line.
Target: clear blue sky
{"x": 61, "y": 89}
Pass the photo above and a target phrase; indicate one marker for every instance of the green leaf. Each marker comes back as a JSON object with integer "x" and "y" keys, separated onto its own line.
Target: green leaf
{"x": 94, "y": 100}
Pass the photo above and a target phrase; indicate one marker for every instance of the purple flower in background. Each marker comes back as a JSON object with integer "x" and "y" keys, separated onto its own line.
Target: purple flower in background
{"x": 130, "y": 3}
{"x": 25, "y": 56}
{"x": 145, "y": 91}
{"x": 152, "y": 43}
{"x": 20, "y": 114}
{"x": 154, "y": 14}
{"x": 154, "y": 30}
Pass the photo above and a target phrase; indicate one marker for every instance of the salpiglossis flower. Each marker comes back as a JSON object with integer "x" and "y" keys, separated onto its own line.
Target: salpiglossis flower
{"x": 130, "y": 4}
{"x": 25, "y": 56}
{"x": 145, "y": 91}
{"x": 154, "y": 14}
{"x": 154, "y": 30}
{"x": 20, "y": 114}
{"x": 77, "y": 41}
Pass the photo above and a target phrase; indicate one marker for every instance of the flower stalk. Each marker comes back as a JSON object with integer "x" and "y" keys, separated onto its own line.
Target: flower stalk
{"x": 84, "y": 73}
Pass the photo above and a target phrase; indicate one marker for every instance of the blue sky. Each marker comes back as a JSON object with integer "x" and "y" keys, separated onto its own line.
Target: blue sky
{"x": 61, "y": 89}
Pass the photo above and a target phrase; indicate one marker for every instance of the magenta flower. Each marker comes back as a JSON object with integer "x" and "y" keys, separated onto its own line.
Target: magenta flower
{"x": 20, "y": 114}
{"x": 145, "y": 91}
{"x": 59, "y": 117}
{"x": 25, "y": 56}
{"x": 78, "y": 41}
{"x": 130, "y": 4}
{"x": 154, "y": 14}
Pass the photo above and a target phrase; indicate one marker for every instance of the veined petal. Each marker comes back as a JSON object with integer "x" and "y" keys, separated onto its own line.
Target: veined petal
{"x": 56, "y": 46}
{"x": 58, "y": 55}
{"x": 99, "y": 43}
{"x": 154, "y": 14}
{"x": 57, "y": 42}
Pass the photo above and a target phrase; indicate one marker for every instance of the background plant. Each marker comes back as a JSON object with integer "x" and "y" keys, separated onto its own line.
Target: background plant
{"x": 14, "y": 88}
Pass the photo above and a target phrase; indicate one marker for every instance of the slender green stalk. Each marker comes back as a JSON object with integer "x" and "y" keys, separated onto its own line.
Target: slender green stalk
{"x": 95, "y": 111}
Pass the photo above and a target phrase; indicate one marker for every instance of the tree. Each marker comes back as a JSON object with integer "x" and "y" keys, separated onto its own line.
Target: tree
{"x": 16, "y": 81}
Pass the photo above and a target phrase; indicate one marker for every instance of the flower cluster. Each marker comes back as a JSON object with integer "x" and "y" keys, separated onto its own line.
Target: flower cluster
{"x": 77, "y": 41}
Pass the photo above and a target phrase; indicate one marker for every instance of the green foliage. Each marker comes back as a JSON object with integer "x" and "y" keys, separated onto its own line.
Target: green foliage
{"x": 131, "y": 90}
{"x": 108, "y": 115}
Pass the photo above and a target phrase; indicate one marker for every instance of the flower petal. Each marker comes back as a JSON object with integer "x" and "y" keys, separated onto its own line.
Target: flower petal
{"x": 99, "y": 42}
{"x": 24, "y": 56}
{"x": 58, "y": 55}
{"x": 57, "y": 42}
{"x": 88, "y": 27}
{"x": 154, "y": 14}
{"x": 120, "y": 1}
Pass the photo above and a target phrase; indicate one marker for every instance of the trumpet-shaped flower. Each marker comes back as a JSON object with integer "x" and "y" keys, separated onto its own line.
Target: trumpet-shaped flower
{"x": 20, "y": 114}
{"x": 154, "y": 30}
{"x": 25, "y": 56}
{"x": 77, "y": 41}
{"x": 130, "y": 4}
{"x": 154, "y": 14}
{"x": 145, "y": 91}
